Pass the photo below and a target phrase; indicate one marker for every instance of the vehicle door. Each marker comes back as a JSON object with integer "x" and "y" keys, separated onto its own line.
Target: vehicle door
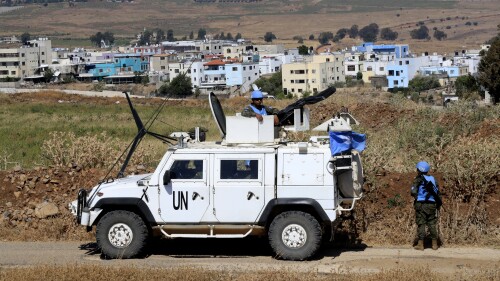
{"x": 238, "y": 187}
{"x": 186, "y": 197}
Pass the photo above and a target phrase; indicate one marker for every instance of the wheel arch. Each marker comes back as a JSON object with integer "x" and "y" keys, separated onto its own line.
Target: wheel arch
{"x": 134, "y": 205}
{"x": 279, "y": 205}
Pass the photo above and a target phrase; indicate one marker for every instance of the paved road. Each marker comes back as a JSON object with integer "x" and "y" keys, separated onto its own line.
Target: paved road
{"x": 74, "y": 92}
{"x": 252, "y": 254}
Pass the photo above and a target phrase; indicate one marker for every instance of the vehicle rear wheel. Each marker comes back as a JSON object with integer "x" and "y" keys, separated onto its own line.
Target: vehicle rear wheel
{"x": 121, "y": 234}
{"x": 295, "y": 235}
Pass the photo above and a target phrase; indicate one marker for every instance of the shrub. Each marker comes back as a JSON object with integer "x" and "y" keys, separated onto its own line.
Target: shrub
{"x": 269, "y": 37}
{"x": 99, "y": 87}
{"x": 396, "y": 201}
{"x": 423, "y": 83}
{"x": 88, "y": 151}
{"x": 421, "y": 33}
{"x": 439, "y": 35}
{"x": 471, "y": 167}
{"x": 369, "y": 33}
{"x": 388, "y": 34}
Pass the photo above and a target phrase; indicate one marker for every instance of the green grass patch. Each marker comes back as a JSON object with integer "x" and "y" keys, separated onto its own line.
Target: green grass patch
{"x": 25, "y": 126}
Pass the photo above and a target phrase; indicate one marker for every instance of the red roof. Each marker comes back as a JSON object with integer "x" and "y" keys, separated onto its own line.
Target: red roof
{"x": 214, "y": 62}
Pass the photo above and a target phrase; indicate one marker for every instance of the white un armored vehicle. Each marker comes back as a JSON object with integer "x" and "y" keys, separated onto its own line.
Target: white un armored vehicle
{"x": 250, "y": 183}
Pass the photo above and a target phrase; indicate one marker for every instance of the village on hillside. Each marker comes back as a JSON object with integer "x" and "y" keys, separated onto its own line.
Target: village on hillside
{"x": 232, "y": 66}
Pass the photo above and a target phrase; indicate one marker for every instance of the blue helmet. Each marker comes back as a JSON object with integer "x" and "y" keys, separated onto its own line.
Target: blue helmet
{"x": 257, "y": 95}
{"x": 423, "y": 166}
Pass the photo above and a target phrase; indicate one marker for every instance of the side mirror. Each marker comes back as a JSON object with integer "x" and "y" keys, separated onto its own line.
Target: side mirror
{"x": 166, "y": 177}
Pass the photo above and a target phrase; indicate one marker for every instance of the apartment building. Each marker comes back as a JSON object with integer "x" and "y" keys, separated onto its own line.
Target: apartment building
{"x": 313, "y": 76}
{"x": 270, "y": 64}
{"x": 159, "y": 63}
{"x": 234, "y": 51}
{"x": 353, "y": 63}
{"x": 242, "y": 75}
{"x": 25, "y": 61}
{"x": 269, "y": 49}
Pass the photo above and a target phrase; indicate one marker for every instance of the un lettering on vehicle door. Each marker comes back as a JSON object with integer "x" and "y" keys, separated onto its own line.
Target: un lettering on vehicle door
{"x": 187, "y": 196}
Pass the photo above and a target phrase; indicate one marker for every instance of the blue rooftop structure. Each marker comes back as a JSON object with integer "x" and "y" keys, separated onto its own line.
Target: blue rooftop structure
{"x": 400, "y": 51}
{"x": 120, "y": 64}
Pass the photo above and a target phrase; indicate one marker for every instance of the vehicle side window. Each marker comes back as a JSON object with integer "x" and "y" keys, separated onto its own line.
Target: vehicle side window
{"x": 187, "y": 169}
{"x": 239, "y": 169}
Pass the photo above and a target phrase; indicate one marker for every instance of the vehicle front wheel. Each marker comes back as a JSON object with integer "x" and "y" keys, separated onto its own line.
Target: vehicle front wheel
{"x": 295, "y": 235}
{"x": 121, "y": 234}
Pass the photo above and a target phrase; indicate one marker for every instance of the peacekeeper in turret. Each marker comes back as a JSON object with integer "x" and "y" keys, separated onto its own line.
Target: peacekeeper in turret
{"x": 258, "y": 109}
{"x": 425, "y": 190}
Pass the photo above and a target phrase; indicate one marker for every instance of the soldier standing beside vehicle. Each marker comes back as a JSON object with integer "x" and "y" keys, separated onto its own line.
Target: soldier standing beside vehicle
{"x": 258, "y": 109}
{"x": 425, "y": 190}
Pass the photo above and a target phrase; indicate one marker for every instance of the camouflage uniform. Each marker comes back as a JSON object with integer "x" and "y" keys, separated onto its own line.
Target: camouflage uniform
{"x": 425, "y": 211}
{"x": 248, "y": 111}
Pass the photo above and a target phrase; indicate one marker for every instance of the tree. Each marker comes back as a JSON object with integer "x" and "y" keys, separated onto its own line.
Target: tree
{"x": 191, "y": 35}
{"x": 465, "y": 85}
{"x": 439, "y": 35}
{"x": 201, "y": 34}
{"x": 421, "y": 33}
{"x": 25, "y": 37}
{"x": 353, "y": 32}
{"x": 359, "y": 76}
{"x": 303, "y": 50}
{"x": 145, "y": 38}
{"x": 311, "y": 37}
{"x": 423, "y": 83}
{"x": 489, "y": 70}
{"x": 341, "y": 33}
{"x": 272, "y": 85}
{"x": 238, "y": 36}
{"x": 96, "y": 39}
{"x": 180, "y": 86}
{"x": 107, "y": 37}
{"x": 369, "y": 33}
{"x": 48, "y": 75}
{"x": 269, "y": 37}
{"x": 160, "y": 36}
{"x": 388, "y": 34}
{"x": 170, "y": 35}
{"x": 324, "y": 37}
{"x": 229, "y": 36}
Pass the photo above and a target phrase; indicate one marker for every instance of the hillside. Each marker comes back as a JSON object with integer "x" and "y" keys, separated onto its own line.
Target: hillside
{"x": 467, "y": 23}
{"x": 70, "y": 139}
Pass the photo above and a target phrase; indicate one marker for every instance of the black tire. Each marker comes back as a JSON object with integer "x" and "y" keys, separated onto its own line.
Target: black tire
{"x": 295, "y": 235}
{"x": 121, "y": 235}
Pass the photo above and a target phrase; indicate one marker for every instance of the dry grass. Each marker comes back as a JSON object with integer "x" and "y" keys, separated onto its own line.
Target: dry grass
{"x": 94, "y": 151}
{"x": 60, "y": 228}
{"x": 98, "y": 272}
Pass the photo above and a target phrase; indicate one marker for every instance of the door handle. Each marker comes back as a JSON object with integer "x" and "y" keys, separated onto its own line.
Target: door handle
{"x": 251, "y": 194}
{"x": 196, "y": 195}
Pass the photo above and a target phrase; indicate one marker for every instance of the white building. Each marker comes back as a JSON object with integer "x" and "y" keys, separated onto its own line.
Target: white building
{"x": 25, "y": 61}
{"x": 242, "y": 75}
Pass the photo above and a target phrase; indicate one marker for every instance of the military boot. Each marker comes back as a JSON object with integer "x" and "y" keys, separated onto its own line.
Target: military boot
{"x": 420, "y": 245}
{"x": 434, "y": 244}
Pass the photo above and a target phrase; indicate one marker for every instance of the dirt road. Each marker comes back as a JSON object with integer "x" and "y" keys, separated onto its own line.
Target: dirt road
{"x": 243, "y": 255}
